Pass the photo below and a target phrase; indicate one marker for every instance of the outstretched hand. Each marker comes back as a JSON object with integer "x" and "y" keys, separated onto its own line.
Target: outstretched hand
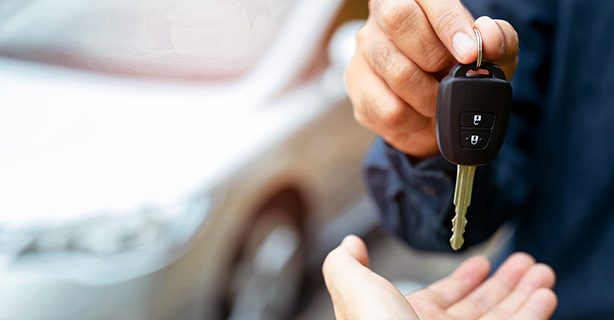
{"x": 519, "y": 289}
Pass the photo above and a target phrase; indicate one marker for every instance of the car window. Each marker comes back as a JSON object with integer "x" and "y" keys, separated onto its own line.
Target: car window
{"x": 179, "y": 39}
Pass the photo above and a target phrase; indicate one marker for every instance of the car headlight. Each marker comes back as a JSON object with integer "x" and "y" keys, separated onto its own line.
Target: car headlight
{"x": 107, "y": 247}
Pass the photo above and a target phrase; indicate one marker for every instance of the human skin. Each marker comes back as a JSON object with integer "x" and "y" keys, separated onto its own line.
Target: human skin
{"x": 520, "y": 289}
{"x": 404, "y": 49}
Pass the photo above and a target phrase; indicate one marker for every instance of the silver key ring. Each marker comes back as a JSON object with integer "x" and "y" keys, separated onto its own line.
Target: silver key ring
{"x": 478, "y": 63}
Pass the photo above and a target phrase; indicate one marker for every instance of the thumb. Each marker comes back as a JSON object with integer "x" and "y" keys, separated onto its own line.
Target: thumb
{"x": 356, "y": 291}
{"x": 352, "y": 252}
{"x": 356, "y": 248}
{"x": 453, "y": 25}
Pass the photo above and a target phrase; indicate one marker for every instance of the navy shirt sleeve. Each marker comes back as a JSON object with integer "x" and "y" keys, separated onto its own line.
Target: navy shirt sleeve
{"x": 412, "y": 199}
{"x": 415, "y": 201}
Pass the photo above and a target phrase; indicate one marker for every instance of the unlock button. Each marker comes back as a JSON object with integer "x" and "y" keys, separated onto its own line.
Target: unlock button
{"x": 474, "y": 139}
{"x": 477, "y": 119}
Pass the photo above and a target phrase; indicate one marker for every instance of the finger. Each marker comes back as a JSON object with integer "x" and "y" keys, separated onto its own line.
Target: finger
{"x": 420, "y": 144}
{"x": 492, "y": 38}
{"x": 493, "y": 290}
{"x": 454, "y": 27}
{"x": 538, "y": 276}
{"x": 500, "y": 43}
{"x": 509, "y": 58}
{"x": 357, "y": 292}
{"x": 403, "y": 76}
{"x": 376, "y": 106}
{"x": 356, "y": 248}
{"x": 463, "y": 280}
{"x": 415, "y": 136}
{"x": 350, "y": 257}
{"x": 352, "y": 252}
{"x": 407, "y": 26}
{"x": 539, "y": 306}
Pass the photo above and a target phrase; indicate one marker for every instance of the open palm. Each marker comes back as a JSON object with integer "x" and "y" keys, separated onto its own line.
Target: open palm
{"x": 519, "y": 289}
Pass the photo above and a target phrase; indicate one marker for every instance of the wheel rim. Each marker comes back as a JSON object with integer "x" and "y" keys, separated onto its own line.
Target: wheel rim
{"x": 266, "y": 280}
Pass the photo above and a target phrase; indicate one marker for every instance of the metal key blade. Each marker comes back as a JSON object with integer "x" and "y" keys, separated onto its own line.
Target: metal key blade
{"x": 462, "y": 199}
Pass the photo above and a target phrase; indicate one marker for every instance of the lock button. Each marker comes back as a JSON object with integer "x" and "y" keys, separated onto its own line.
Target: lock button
{"x": 477, "y": 119}
{"x": 472, "y": 139}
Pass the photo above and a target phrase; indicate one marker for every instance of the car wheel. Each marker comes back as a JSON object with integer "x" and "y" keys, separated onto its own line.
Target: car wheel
{"x": 266, "y": 280}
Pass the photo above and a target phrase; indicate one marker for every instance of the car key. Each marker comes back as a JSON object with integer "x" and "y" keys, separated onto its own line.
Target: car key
{"x": 473, "y": 112}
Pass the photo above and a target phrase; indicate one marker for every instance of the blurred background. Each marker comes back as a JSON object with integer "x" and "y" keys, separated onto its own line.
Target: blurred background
{"x": 183, "y": 159}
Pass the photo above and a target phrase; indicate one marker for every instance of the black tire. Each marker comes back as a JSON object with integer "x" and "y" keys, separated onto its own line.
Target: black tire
{"x": 266, "y": 280}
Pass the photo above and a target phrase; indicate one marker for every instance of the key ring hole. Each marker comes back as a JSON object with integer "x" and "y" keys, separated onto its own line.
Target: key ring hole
{"x": 462, "y": 70}
{"x": 484, "y": 72}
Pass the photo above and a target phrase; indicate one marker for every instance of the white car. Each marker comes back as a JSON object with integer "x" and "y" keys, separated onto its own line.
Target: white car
{"x": 172, "y": 159}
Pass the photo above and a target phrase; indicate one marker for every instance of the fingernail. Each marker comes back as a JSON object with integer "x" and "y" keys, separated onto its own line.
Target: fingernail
{"x": 462, "y": 43}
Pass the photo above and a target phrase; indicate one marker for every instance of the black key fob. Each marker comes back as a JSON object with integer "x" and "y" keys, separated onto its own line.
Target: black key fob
{"x": 473, "y": 112}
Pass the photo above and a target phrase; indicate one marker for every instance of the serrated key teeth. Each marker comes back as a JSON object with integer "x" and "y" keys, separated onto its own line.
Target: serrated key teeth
{"x": 460, "y": 227}
{"x": 462, "y": 198}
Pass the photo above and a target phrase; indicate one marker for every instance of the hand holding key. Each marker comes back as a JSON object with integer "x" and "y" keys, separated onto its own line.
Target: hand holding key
{"x": 403, "y": 51}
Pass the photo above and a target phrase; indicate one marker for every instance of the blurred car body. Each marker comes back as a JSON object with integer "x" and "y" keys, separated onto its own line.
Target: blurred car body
{"x": 139, "y": 182}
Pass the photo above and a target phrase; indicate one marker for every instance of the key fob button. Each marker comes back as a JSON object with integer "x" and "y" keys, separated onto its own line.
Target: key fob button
{"x": 477, "y": 119}
{"x": 478, "y": 140}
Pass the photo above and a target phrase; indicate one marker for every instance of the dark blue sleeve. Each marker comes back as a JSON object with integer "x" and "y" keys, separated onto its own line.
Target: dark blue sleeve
{"x": 415, "y": 201}
{"x": 412, "y": 200}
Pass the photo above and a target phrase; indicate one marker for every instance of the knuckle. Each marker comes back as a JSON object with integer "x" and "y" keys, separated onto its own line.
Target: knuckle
{"x": 353, "y": 72}
{"x": 404, "y": 76}
{"x": 409, "y": 79}
{"x": 349, "y": 72}
{"x": 362, "y": 34}
{"x": 398, "y": 72}
{"x": 360, "y": 118}
{"x": 361, "y": 109}
{"x": 419, "y": 123}
{"x": 381, "y": 57}
{"x": 400, "y": 17}
{"x": 374, "y": 5}
{"x": 436, "y": 59}
{"x": 367, "y": 114}
{"x": 393, "y": 116}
